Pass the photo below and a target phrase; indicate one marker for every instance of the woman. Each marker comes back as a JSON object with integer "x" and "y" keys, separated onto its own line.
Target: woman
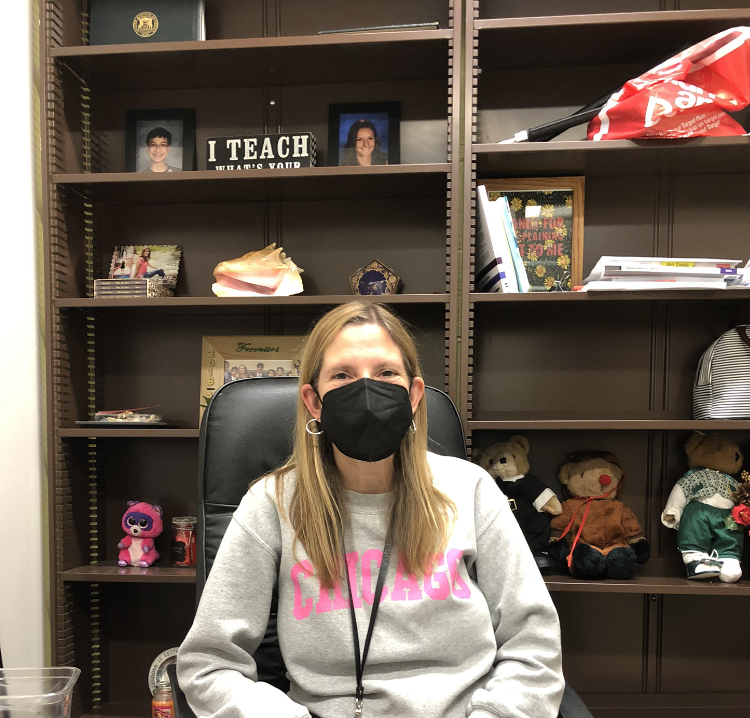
{"x": 243, "y": 372}
{"x": 466, "y": 626}
{"x": 143, "y": 267}
{"x": 362, "y": 146}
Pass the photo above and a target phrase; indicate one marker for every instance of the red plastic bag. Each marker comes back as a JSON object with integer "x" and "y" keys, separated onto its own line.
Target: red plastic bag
{"x": 686, "y": 96}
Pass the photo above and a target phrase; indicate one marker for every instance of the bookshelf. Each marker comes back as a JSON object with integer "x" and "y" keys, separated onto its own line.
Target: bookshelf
{"x": 262, "y": 69}
{"x": 610, "y": 370}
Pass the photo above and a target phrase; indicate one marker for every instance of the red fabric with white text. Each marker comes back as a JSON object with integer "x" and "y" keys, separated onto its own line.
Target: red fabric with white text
{"x": 686, "y": 96}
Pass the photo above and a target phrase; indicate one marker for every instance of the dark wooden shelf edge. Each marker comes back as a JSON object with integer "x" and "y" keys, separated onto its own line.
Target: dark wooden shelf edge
{"x": 625, "y": 18}
{"x": 93, "y": 178}
{"x": 608, "y": 424}
{"x": 109, "y": 572}
{"x": 730, "y": 293}
{"x": 649, "y": 584}
{"x": 88, "y": 433}
{"x": 231, "y": 302}
{"x": 300, "y": 41}
{"x": 120, "y": 710}
{"x": 633, "y": 146}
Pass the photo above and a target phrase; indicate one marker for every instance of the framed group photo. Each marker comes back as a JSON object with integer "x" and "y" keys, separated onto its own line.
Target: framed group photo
{"x": 364, "y": 134}
{"x": 225, "y": 359}
{"x": 547, "y": 214}
{"x": 160, "y": 140}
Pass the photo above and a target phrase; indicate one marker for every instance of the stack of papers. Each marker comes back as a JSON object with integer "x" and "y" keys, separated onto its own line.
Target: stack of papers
{"x": 633, "y": 273}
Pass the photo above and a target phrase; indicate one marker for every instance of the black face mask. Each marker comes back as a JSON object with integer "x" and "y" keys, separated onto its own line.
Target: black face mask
{"x": 367, "y": 419}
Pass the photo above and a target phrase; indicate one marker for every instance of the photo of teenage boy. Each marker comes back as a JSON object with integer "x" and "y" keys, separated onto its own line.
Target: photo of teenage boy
{"x": 158, "y": 144}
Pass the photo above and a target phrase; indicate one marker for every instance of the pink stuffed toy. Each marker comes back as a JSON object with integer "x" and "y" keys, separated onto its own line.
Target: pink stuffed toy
{"x": 142, "y": 523}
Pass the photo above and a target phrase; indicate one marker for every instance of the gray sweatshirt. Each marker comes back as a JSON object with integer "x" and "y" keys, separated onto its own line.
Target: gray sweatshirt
{"x": 478, "y": 637}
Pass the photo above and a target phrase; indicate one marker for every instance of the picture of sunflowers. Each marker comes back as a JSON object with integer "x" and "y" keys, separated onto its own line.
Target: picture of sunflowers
{"x": 547, "y": 216}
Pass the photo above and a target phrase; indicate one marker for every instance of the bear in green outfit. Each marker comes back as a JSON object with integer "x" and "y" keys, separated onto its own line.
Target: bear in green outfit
{"x": 700, "y": 508}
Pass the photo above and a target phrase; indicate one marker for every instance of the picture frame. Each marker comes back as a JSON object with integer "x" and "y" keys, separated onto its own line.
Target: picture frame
{"x": 160, "y": 140}
{"x": 549, "y": 239}
{"x": 376, "y": 123}
{"x": 221, "y": 355}
{"x": 160, "y": 262}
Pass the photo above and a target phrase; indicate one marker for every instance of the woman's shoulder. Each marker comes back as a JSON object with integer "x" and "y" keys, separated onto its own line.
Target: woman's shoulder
{"x": 261, "y": 502}
{"x": 465, "y": 482}
{"x": 450, "y": 474}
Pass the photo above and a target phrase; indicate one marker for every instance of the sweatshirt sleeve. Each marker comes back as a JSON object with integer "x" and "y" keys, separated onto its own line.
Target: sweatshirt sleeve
{"x": 527, "y": 680}
{"x": 215, "y": 665}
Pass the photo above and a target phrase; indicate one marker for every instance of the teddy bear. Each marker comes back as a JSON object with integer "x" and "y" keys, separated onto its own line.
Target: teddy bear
{"x": 596, "y": 533}
{"x": 700, "y": 508}
{"x": 531, "y": 500}
{"x": 142, "y": 523}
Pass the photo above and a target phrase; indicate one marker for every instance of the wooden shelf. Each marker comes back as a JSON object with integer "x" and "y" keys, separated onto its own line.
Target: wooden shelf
{"x": 597, "y": 39}
{"x": 110, "y": 572}
{"x": 120, "y": 710}
{"x": 305, "y": 183}
{"x": 94, "y": 433}
{"x": 235, "y": 305}
{"x": 557, "y": 421}
{"x": 699, "y": 155}
{"x": 665, "y": 585}
{"x": 730, "y": 294}
{"x": 302, "y": 60}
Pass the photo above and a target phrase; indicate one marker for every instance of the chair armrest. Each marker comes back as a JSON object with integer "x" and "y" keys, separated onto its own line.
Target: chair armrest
{"x": 181, "y": 707}
{"x": 571, "y": 706}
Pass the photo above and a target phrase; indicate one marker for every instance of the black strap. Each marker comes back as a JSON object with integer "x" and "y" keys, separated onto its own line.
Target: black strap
{"x": 743, "y": 334}
{"x": 360, "y": 664}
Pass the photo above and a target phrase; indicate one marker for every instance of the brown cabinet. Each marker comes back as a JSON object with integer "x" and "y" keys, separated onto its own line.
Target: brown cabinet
{"x": 614, "y": 372}
{"x": 569, "y": 371}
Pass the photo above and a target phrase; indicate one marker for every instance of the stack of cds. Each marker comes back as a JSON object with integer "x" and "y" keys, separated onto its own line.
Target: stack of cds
{"x": 131, "y": 288}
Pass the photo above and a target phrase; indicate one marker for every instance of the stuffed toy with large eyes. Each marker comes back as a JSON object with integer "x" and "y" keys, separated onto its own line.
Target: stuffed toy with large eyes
{"x": 142, "y": 523}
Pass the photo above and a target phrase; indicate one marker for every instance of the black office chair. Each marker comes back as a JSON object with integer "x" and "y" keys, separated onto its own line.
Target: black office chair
{"x": 247, "y": 432}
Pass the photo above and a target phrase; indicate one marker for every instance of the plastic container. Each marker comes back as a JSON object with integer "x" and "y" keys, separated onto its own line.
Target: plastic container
{"x": 37, "y": 692}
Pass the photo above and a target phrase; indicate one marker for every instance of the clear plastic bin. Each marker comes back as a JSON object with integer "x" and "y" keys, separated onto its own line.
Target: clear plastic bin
{"x": 37, "y": 692}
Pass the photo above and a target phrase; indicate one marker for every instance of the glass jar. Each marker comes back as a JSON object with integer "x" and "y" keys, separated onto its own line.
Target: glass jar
{"x": 161, "y": 703}
{"x": 183, "y": 540}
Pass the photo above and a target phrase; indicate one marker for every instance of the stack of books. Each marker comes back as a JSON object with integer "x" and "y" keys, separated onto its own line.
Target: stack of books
{"x": 498, "y": 263}
{"x": 647, "y": 273}
{"x": 131, "y": 288}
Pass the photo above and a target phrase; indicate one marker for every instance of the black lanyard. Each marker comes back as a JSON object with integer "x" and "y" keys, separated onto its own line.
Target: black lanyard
{"x": 360, "y": 664}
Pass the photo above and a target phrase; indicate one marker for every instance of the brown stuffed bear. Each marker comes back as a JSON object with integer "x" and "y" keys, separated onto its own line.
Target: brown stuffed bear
{"x": 598, "y": 534}
{"x": 530, "y": 499}
{"x": 700, "y": 508}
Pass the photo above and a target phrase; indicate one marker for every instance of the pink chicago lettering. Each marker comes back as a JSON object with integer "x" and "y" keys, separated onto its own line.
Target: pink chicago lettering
{"x": 436, "y": 583}
{"x": 405, "y": 583}
{"x": 453, "y": 559}
{"x": 301, "y": 610}
{"x": 325, "y": 604}
{"x": 368, "y": 558}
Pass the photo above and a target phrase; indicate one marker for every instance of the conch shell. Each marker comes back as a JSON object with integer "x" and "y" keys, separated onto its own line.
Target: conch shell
{"x": 267, "y": 272}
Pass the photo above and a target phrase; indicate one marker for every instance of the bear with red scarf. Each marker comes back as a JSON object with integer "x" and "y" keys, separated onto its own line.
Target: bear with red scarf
{"x": 596, "y": 534}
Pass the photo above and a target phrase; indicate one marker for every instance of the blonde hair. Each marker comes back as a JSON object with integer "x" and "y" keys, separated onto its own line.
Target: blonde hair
{"x": 420, "y": 515}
